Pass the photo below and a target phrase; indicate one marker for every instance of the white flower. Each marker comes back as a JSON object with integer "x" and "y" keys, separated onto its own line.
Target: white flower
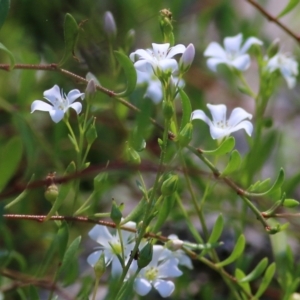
{"x": 60, "y": 103}
{"x": 220, "y": 127}
{"x": 155, "y": 273}
{"x": 234, "y": 54}
{"x": 287, "y": 66}
{"x": 160, "y": 58}
{"x": 111, "y": 246}
{"x": 187, "y": 58}
{"x": 154, "y": 87}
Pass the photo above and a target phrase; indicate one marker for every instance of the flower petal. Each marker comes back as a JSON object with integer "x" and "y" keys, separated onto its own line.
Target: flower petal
{"x": 53, "y": 94}
{"x": 73, "y": 95}
{"x": 178, "y": 49}
{"x": 116, "y": 268}
{"x": 242, "y": 62}
{"x": 142, "y": 286}
{"x": 154, "y": 91}
{"x": 249, "y": 42}
{"x": 56, "y": 115}
{"x": 217, "y": 132}
{"x": 101, "y": 235}
{"x": 215, "y": 50}
{"x": 233, "y": 44}
{"x": 40, "y": 105}
{"x": 93, "y": 258}
{"x": 165, "y": 288}
{"x": 77, "y": 107}
{"x": 199, "y": 114}
{"x": 238, "y": 115}
{"x": 169, "y": 268}
{"x": 212, "y": 63}
{"x": 140, "y": 54}
{"x": 218, "y": 112}
{"x": 243, "y": 125}
{"x": 143, "y": 66}
{"x": 160, "y": 51}
{"x": 168, "y": 64}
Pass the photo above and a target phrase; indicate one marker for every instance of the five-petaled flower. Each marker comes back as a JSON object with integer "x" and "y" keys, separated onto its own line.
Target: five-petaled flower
{"x": 156, "y": 272}
{"x": 160, "y": 58}
{"x": 60, "y": 103}
{"x": 287, "y": 66}
{"x": 233, "y": 54}
{"x": 111, "y": 246}
{"x": 220, "y": 127}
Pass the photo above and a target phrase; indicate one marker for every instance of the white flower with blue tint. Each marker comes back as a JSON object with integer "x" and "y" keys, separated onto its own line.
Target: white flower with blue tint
{"x": 233, "y": 54}
{"x": 111, "y": 246}
{"x": 219, "y": 126}
{"x": 59, "y": 103}
{"x": 160, "y": 58}
{"x": 287, "y": 66}
{"x": 156, "y": 274}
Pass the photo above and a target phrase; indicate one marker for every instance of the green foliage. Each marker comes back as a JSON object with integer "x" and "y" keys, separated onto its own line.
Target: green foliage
{"x": 4, "y": 8}
{"x": 233, "y": 164}
{"x": 226, "y": 146}
{"x": 289, "y": 7}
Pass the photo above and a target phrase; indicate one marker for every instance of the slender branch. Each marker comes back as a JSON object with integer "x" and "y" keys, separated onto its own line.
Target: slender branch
{"x": 274, "y": 20}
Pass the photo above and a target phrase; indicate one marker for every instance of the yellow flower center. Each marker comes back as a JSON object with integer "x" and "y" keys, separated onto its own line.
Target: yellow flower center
{"x": 151, "y": 274}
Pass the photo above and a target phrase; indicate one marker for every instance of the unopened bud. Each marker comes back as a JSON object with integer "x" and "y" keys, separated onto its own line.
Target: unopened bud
{"x": 51, "y": 192}
{"x": 130, "y": 36}
{"x": 110, "y": 27}
{"x": 100, "y": 266}
{"x": 168, "y": 110}
{"x": 166, "y": 26}
{"x": 185, "y": 135}
{"x": 132, "y": 156}
{"x": 115, "y": 214}
{"x": 90, "y": 88}
{"x": 187, "y": 58}
{"x": 174, "y": 245}
{"x": 170, "y": 185}
{"x": 145, "y": 256}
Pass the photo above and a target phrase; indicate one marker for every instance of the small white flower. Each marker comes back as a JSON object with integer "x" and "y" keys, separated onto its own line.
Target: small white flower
{"x": 60, "y": 103}
{"x": 220, "y": 127}
{"x": 111, "y": 246}
{"x": 233, "y": 54}
{"x": 287, "y": 66}
{"x": 154, "y": 87}
{"x": 155, "y": 273}
{"x": 160, "y": 58}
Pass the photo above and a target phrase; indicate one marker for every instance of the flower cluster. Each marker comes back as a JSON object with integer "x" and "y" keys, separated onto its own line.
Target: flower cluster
{"x": 164, "y": 263}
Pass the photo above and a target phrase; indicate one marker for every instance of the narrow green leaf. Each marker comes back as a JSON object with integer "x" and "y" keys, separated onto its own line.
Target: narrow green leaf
{"x": 217, "y": 230}
{"x": 259, "y": 186}
{"x": 33, "y": 294}
{"x": 21, "y": 196}
{"x": 239, "y": 274}
{"x": 69, "y": 255}
{"x": 224, "y": 148}
{"x": 233, "y": 164}
{"x": 266, "y": 280}
{"x": 237, "y": 251}
{"x": 11, "y": 57}
{"x": 256, "y": 272}
{"x": 62, "y": 239}
{"x": 10, "y": 157}
{"x": 71, "y": 32}
{"x": 137, "y": 213}
{"x": 130, "y": 73}
{"x": 290, "y": 6}
{"x": 4, "y": 8}
{"x": 63, "y": 192}
{"x": 277, "y": 184}
{"x": 290, "y": 203}
{"x": 186, "y": 109}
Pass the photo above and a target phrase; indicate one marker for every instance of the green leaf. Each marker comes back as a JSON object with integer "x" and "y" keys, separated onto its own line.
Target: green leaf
{"x": 69, "y": 255}
{"x": 266, "y": 280}
{"x": 290, "y": 6}
{"x": 11, "y": 57}
{"x": 277, "y": 184}
{"x": 63, "y": 192}
{"x": 217, "y": 230}
{"x": 4, "y": 8}
{"x": 237, "y": 251}
{"x": 62, "y": 239}
{"x": 10, "y": 157}
{"x": 239, "y": 274}
{"x": 290, "y": 203}
{"x": 256, "y": 272}
{"x": 71, "y": 32}
{"x": 130, "y": 73}
{"x": 33, "y": 294}
{"x": 186, "y": 109}
{"x": 233, "y": 164}
{"x": 137, "y": 213}
{"x": 259, "y": 186}
{"x": 224, "y": 148}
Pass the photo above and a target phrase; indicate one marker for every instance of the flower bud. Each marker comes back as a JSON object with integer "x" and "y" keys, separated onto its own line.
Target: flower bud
{"x": 170, "y": 185}
{"x": 90, "y": 88}
{"x": 187, "y": 58}
{"x": 99, "y": 180}
{"x": 273, "y": 48}
{"x": 91, "y": 133}
{"x": 168, "y": 110}
{"x": 100, "y": 266}
{"x": 115, "y": 214}
{"x": 132, "y": 156}
{"x": 166, "y": 26}
{"x": 51, "y": 192}
{"x": 185, "y": 135}
{"x": 145, "y": 256}
{"x": 174, "y": 245}
{"x": 110, "y": 25}
{"x": 130, "y": 37}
